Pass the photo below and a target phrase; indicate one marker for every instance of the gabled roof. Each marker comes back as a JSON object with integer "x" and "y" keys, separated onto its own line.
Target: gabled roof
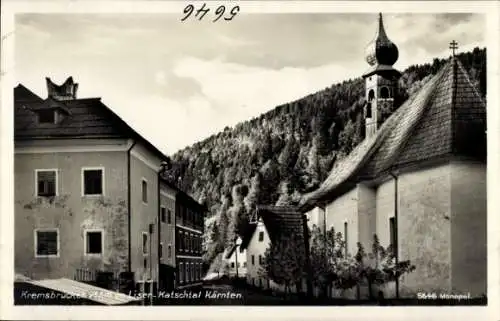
{"x": 446, "y": 117}
{"x": 247, "y": 235}
{"x": 230, "y": 251}
{"x": 87, "y": 118}
{"x": 23, "y": 94}
{"x": 281, "y": 220}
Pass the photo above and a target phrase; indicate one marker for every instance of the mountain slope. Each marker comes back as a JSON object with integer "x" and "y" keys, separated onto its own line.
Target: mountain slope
{"x": 288, "y": 151}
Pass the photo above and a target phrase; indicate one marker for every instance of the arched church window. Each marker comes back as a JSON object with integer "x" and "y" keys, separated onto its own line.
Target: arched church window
{"x": 384, "y": 92}
{"x": 371, "y": 95}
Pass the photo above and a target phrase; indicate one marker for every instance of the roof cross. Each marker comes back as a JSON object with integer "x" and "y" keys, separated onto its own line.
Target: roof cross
{"x": 453, "y": 47}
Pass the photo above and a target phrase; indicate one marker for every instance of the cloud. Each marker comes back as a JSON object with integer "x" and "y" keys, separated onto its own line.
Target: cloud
{"x": 178, "y": 83}
{"x": 160, "y": 78}
{"x": 234, "y": 87}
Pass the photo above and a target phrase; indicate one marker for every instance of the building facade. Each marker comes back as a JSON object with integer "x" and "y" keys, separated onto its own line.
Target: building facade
{"x": 86, "y": 189}
{"x": 189, "y": 226}
{"x": 268, "y": 225}
{"x": 167, "y": 267}
{"x": 236, "y": 260}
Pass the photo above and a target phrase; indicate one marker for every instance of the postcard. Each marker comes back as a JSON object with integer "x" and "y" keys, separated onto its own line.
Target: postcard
{"x": 253, "y": 159}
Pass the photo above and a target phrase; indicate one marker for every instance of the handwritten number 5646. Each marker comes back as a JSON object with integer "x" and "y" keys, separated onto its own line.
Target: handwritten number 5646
{"x": 201, "y": 12}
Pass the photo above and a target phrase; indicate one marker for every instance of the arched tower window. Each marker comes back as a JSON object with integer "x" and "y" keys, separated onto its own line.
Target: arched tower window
{"x": 369, "y": 110}
{"x": 371, "y": 95}
{"x": 384, "y": 92}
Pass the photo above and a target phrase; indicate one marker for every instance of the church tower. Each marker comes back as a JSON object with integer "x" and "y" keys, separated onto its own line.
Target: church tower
{"x": 381, "y": 79}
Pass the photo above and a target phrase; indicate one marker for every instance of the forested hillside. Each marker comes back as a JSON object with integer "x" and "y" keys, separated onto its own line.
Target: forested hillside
{"x": 288, "y": 151}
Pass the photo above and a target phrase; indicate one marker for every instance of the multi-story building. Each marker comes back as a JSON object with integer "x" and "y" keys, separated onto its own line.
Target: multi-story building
{"x": 168, "y": 195}
{"x": 189, "y": 225}
{"x": 86, "y": 189}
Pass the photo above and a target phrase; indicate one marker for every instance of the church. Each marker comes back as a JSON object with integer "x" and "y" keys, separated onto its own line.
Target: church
{"x": 417, "y": 180}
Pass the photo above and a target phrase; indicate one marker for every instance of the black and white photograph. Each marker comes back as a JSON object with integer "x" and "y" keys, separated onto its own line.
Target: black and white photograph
{"x": 229, "y": 154}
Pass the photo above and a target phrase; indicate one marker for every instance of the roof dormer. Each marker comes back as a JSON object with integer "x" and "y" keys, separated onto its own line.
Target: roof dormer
{"x": 50, "y": 111}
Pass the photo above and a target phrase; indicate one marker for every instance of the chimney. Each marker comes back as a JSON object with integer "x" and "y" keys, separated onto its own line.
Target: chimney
{"x": 66, "y": 91}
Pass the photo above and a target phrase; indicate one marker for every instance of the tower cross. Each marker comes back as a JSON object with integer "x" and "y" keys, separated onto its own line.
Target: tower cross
{"x": 453, "y": 47}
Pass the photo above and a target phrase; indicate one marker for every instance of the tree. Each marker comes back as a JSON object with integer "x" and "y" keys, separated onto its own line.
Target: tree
{"x": 252, "y": 198}
{"x": 379, "y": 266}
{"x": 284, "y": 262}
{"x": 330, "y": 266}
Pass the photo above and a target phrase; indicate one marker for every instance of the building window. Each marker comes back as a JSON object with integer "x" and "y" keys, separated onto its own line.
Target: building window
{"x": 187, "y": 272}
{"x": 93, "y": 242}
{"x": 181, "y": 272}
{"x": 261, "y": 260}
{"x": 345, "y": 238}
{"x": 393, "y": 235}
{"x": 46, "y": 243}
{"x": 144, "y": 191}
{"x": 384, "y": 93}
{"x": 241, "y": 249}
{"x": 371, "y": 95}
{"x": 144, "y": 243}
{"x": 169, "y": 217}
{"x": 169, "y": 251}
{"x": 232, "y": 265}
{"x": 163, "y": 214}
{"x": 192, "y": 272}
{"x": 93, "y": 182}
{"x": 46, "y": 182}
{"x": 261, "y": 236}
{"x": 244, "y": 264}
{"x": 47, "y": 116}
{"x": 145, "y": 263}
{"x": 161, "y": 250}
{"x": 253, "y": 260}
{"x": 181, "y": 238}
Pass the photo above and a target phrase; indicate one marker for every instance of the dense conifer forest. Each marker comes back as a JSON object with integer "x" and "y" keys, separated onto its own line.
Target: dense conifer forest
{"x": 288, "y": 151}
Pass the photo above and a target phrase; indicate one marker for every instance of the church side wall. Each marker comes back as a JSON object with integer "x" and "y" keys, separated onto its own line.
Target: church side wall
{"x": 366, "y": 215}
{"x": 341, "y": 210}
{"x": 469, "y": 237}
{"x": 424, "y": 229}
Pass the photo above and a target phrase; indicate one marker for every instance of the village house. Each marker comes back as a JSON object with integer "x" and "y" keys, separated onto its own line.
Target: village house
{"x": 267, "y": 225}
{"x": 189, "y": 226}
{"x": 417, "y": 181}
{"x": 87, "y": 191}
{"x": 236, "y": 259}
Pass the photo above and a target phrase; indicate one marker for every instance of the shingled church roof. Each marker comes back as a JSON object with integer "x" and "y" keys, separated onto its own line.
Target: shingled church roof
{"x": 446, "y": 117}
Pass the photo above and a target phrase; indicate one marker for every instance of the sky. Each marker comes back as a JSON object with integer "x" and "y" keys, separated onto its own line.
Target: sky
{"x": 177, "y": 83}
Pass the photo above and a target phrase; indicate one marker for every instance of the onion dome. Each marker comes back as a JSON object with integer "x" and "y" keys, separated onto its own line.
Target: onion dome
{"x": 381, "y": 50}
